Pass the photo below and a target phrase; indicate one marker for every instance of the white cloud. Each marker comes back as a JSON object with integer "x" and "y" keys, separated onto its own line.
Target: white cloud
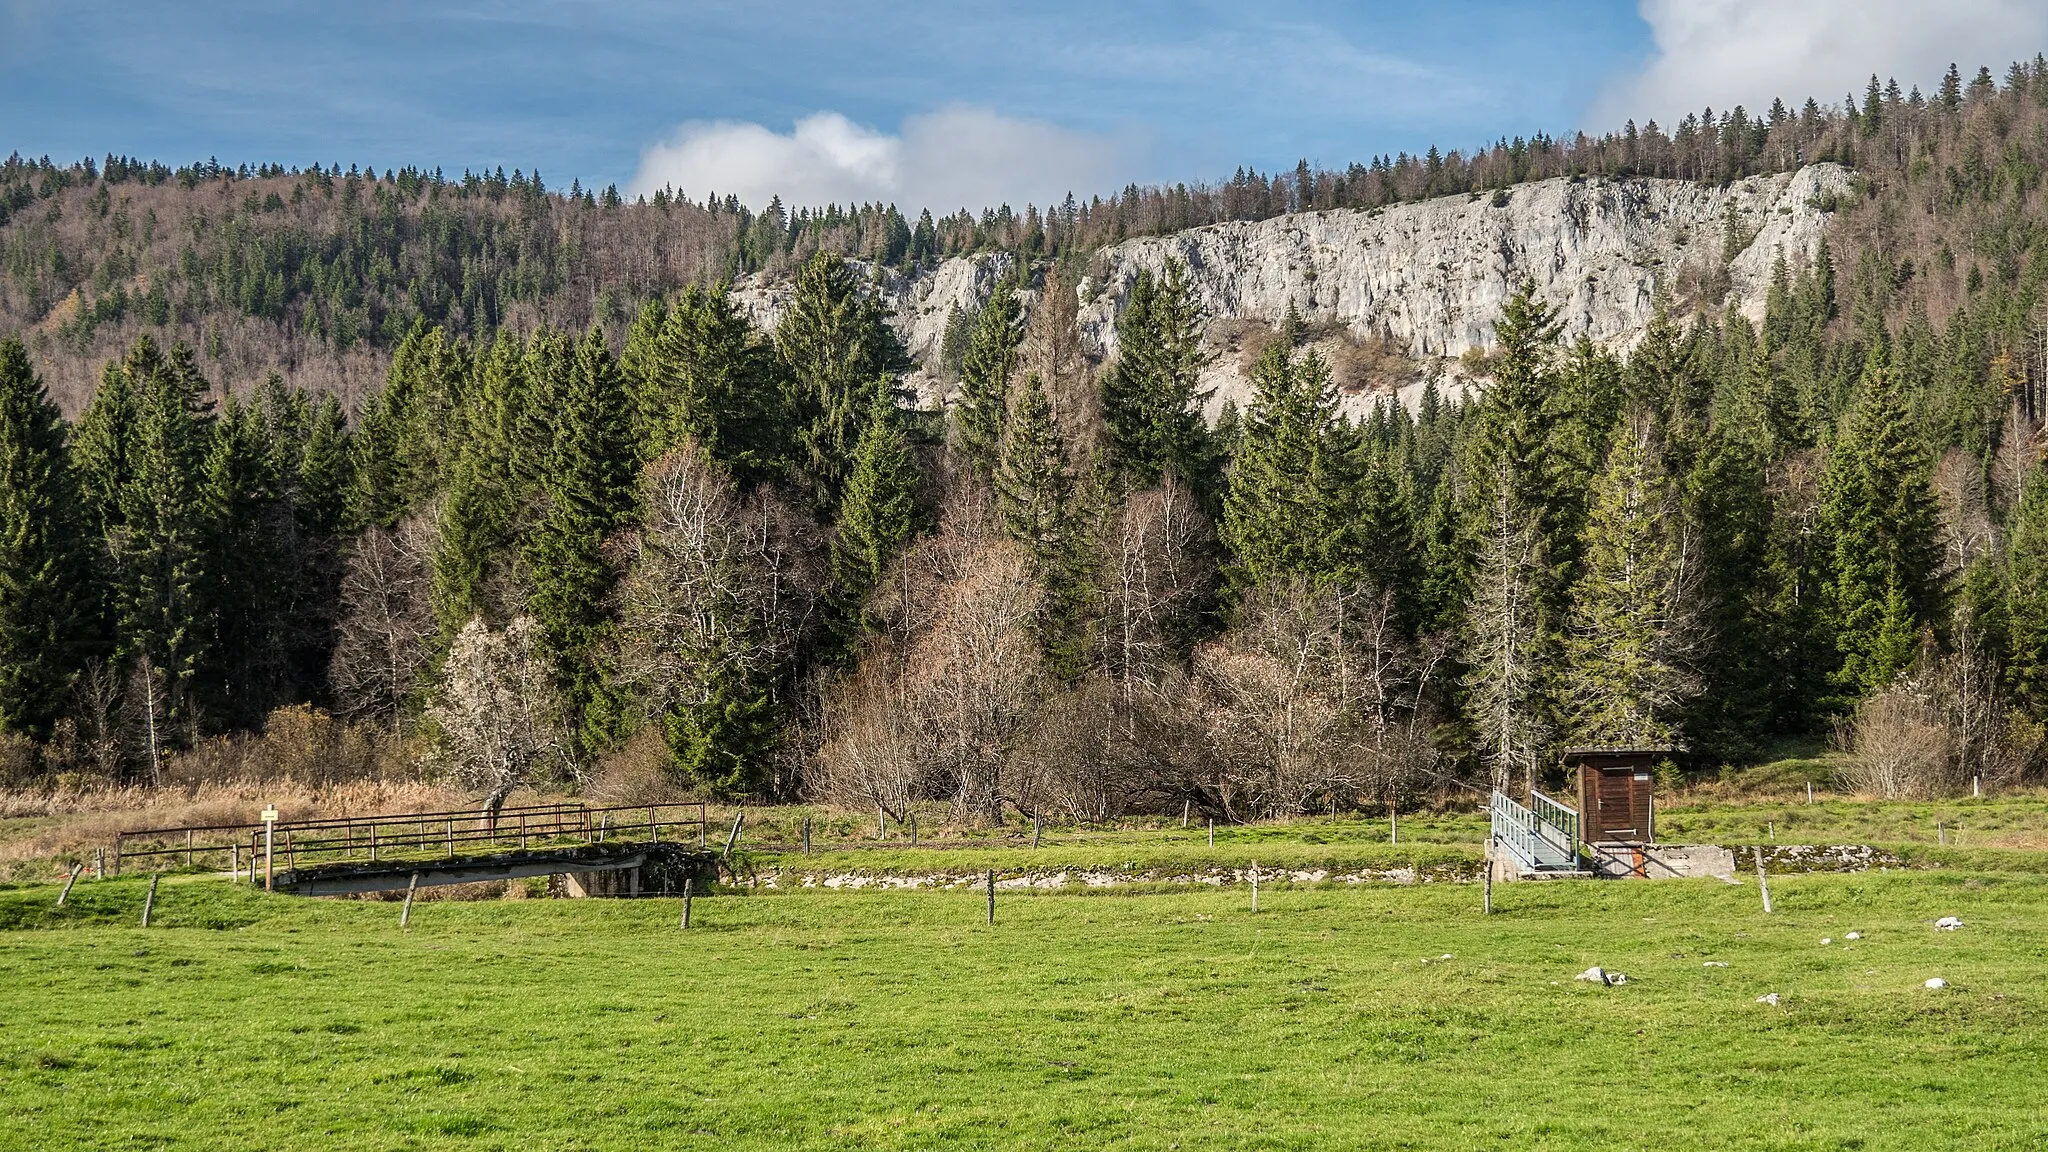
{"x": 1721, "y": 53}
{"x": 954, "y": 158}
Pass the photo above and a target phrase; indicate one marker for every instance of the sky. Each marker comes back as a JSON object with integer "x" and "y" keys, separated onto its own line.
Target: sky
{"x": 963, "y": 103}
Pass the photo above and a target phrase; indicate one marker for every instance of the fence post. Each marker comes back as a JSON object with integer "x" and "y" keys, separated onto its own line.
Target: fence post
{"x": 149, "y": 901}
{"x": 734, "y": 837}
{"x": 1212, "y": 831}
{"x": 689, "y": 890}
{"x": 703, "y": 822}
{"x": 1255, "y": 885}
{"x": 807, "y": 834}
{"x": 913, "y": 827}
{"x": 68, "y": 882}
{"x": 1393, "y": 823}
{"x": 1185, "y": 807}
{"x": 234, "y": 861}
{"x": 881, "y": 825}
{"x": 405, "y": 913}
{"x": 991, "y": 896}
{"x": 451, "y": 838}
{"x": 1037, "y": 828}
{"x": 1763, "y": 883}
{"x": 188, "y": 847}
{"x": 373, "y": 841}
{"x": 117, "y": 853}
{"x": 1486, "y": 909}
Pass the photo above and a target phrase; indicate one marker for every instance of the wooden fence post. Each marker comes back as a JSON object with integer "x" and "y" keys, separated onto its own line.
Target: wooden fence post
{"x": 991, "y": 896}
{"x": 1255, "y": 885}
{"x": 149, "y": 901}
{"x": 68, "y": 882}
{"x": 1487, "y": 906}
{"x": 405, "y": 913}
{"x": 1763, "y": 882}
{"x": 807, "y": 835}
{"x": 689, "y": 890}
{"x": 913, "y": 827}
{"x": 1393, "y": 824}
{"x": 1037, "y": 828}
{"x": 234, "y": 861}
{"x": 1212, "y": 831}
{"x": 733, "y": 837}
{"x": 1186, "y": 806}
{"x": 881, "y": 825}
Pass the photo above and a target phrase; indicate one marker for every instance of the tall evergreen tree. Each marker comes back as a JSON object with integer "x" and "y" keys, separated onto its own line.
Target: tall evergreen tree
{"x": 714, "y": 384}
{"x": 876, "y": 519}
{"x": 1039, "y": 504}
{"x": 159, "y": 550}
{"x": 1274, "y": 521}
{"x": 46, "y": 616}
{"x": 833, "y": 342}
{"x": 1631, "y": 635}
{"x": 590, "y": 495}
{"x": 985, "y": 371}
{"x": 1152, "y": 396}
{"x": 2025, "y": 610}
{"x": 1879, "y": 516}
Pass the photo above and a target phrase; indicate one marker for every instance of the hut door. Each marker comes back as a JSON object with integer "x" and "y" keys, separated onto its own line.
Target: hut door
{"x": 1615, "y": 793}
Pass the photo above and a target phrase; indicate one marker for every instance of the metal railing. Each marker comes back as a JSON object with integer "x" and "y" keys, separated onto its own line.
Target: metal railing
{"x": 1555, "y": 822}
{"x": 1528, "y": 838}
{"x": 410, "y": 835}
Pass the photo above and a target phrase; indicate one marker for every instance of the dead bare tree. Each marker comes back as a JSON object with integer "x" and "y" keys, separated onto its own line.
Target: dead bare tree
{"x": 383, "y": 649}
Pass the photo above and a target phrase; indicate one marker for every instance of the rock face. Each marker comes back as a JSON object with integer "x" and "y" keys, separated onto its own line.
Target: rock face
{"x": 1431, "y": 277}
{"x": 1425, "y": 280}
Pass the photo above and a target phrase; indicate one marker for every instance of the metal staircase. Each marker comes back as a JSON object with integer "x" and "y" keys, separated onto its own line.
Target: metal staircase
{"x": 1541, "y": 839}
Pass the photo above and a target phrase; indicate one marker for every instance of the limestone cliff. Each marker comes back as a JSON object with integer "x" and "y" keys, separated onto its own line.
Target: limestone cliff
{"x": 1425, "y": 281}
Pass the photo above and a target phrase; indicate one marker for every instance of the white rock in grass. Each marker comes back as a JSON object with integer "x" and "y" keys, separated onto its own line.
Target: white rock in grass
{"x": 1715, "y": 964}
{"x": 1936, "y": 983}
{"x": 1827, "y": 939}
{"x": 1596, "y": 974}
{"x": 1769, "y": 998}
{"x": 1947, "y": 924}
{"x": 1853, "y": 936}
{"x": 1447, "y": 956}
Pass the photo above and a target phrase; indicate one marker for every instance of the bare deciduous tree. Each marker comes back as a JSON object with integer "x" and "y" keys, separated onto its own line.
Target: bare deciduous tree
{"x": 497, "y": 721}
{"x": 383, "y": 650}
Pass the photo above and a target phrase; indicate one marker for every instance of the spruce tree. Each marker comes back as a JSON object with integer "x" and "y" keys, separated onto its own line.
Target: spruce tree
{"x": 833, "y": 342}
{"x": 1630, "y": 636}
{"x": 47, "y": 618}
{"x": 1274, "y": 520}
{"x": 985, "y": 370}
{"x": 877, "y": 517}
{"x": 714, "y": 384}
{"x": 590, "y": 495}
{"x": 1879, "y": 516}
{"x": 159, "y": 551}
{"x": 249, "y": 562}
{"x": 1037, "y": 501}
{"x": 1152, "y": 396}
{"x": 2025, "y": 607}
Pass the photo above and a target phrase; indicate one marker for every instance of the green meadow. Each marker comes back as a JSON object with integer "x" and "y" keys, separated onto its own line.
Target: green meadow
{"x": 1367, "y": 1016}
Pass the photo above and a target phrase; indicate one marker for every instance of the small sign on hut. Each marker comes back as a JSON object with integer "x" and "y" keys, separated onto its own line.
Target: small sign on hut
{"x": 1615, "y": 804}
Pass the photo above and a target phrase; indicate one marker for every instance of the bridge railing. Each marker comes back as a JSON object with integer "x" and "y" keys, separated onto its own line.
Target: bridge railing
{"x": 1514, "y": 828}
{"x": 1555, "y": 822}
{"x": 409, "y": 835}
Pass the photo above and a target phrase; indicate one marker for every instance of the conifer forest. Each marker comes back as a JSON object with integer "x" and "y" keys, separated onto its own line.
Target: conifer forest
{"x": 497, "y": 480}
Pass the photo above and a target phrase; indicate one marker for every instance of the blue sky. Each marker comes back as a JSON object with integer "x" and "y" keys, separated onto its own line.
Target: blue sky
{"x": 919, "y": 101}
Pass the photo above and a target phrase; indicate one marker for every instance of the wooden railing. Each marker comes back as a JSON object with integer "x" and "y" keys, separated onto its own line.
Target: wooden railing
{"x": 412, "y": 835}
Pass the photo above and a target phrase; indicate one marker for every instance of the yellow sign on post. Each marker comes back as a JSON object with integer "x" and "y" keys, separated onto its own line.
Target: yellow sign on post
{"x": 269, "y": 816}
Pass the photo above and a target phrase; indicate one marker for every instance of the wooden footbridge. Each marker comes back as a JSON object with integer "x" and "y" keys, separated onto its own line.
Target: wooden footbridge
{"x": 349, "y": 854}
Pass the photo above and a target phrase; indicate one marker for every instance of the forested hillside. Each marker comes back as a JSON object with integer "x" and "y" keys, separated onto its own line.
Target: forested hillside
{"x": 534, "y": 501}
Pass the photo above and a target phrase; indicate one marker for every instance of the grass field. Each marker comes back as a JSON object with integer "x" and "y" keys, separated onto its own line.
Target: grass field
{"x": 1142, "y": 1019}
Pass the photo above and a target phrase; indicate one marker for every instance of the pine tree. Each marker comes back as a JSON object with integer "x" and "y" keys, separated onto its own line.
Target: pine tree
{"x": 722, "y": 741}
{"x": 1879, "y": 516}
{"x": 249, "y": 563}
{"x": 877, "y": 518}
{"x": 985, "y": 370}
{"x": 477, "y": 533}
{"x": 590, "y": 496}
{"x": 833, "y": 343}
{"x": 46, "y": 616}
{"x": 1629, "y": 639}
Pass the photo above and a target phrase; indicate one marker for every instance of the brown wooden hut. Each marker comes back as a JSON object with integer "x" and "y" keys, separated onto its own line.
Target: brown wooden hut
{"x": 1615, "y": 804}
